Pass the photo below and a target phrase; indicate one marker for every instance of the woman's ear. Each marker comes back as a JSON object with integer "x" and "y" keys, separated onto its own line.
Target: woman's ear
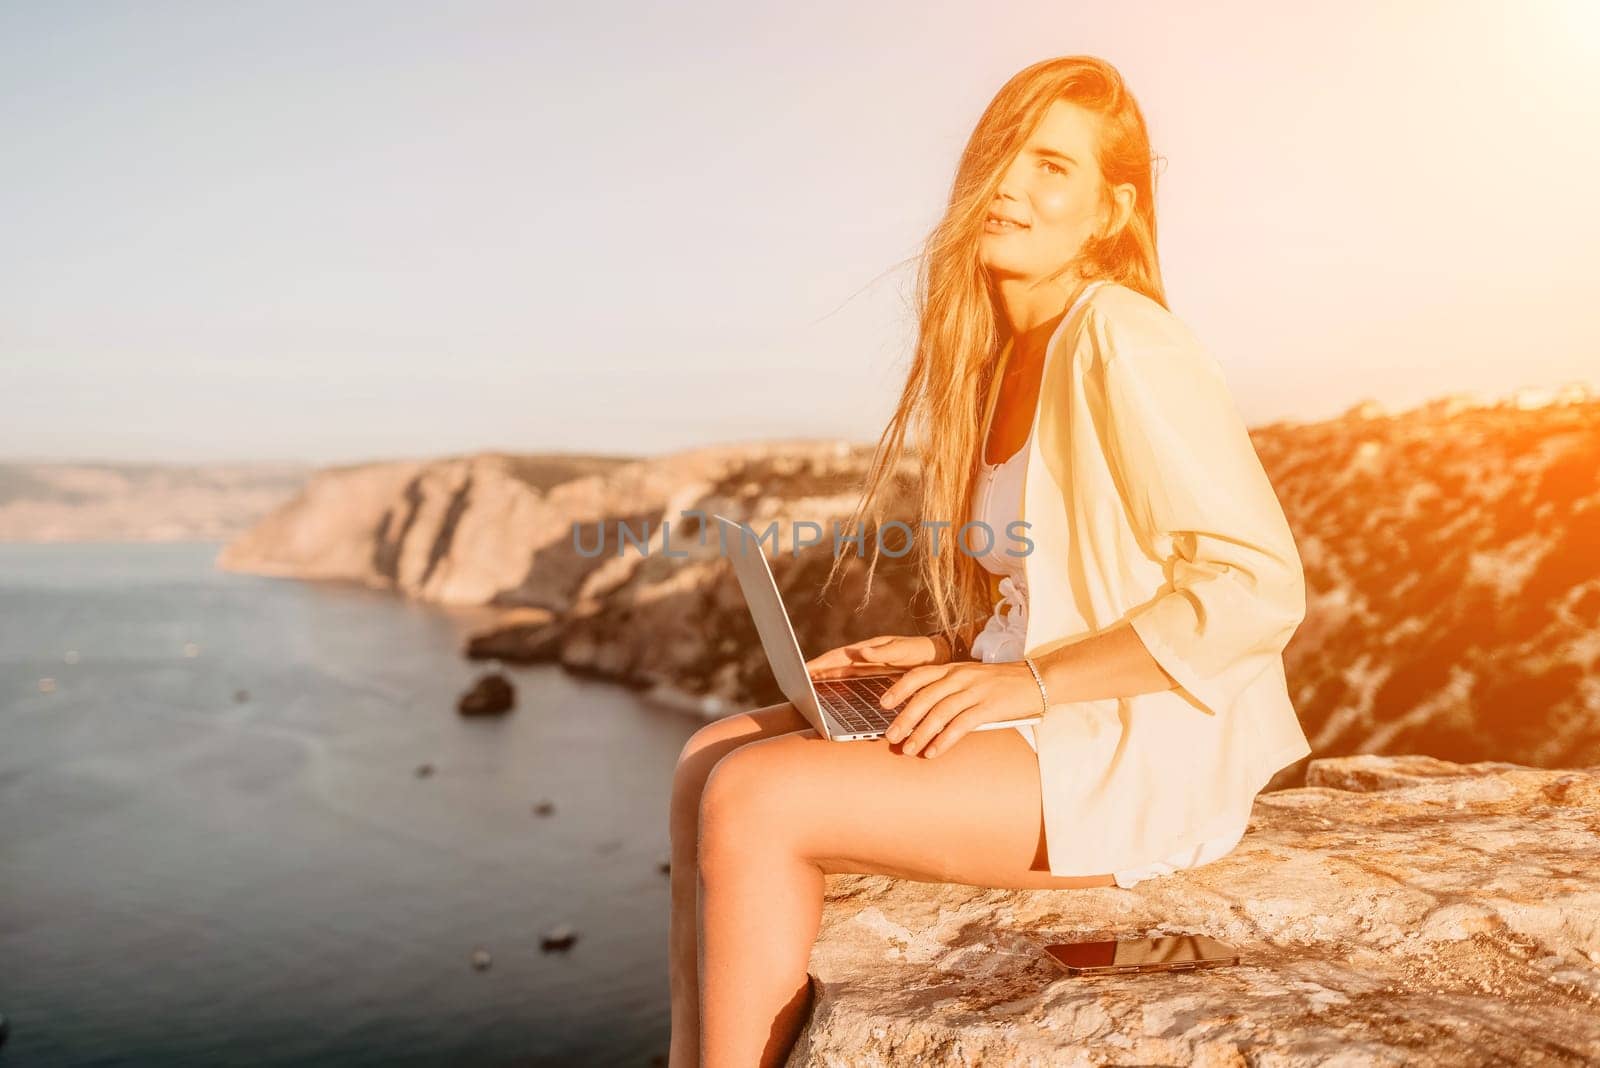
{"x": 1123, "y": 199}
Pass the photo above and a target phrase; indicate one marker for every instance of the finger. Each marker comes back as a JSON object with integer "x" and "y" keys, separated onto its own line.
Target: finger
{"x": 910, "y": 717}
{"x": 892, "y": 654}
{"x": 866, "y": 657}
{"x": 963, "y": 723}
{"x": 854, "y": 652}
{"x": 849, "y": 672}
{"x": 932, "y": 709}
{"x": 882, "y": 650}
{"x": 941, "y": 712}
{"x": 910, "y": 682}
{"x": 840, "y": 657}
{"x": 823, "y": 661}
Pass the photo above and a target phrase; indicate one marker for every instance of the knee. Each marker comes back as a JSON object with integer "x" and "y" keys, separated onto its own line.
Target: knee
{"x": 713, "y": 739}
{"x": 709, "y": 745}
{"x": 707, "y": 738}
{"x": 698, "y": 756}
{"x": 687, "y": 783}
{"x": 737, "y": 803}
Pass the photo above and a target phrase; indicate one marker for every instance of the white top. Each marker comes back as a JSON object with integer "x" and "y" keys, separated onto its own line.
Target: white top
{"x": 997, "y": 502}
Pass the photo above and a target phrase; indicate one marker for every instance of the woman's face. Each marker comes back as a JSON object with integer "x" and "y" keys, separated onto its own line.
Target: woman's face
{"x": 1053, "y": 189}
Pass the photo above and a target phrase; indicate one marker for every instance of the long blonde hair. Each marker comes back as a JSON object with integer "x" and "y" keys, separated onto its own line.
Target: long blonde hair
{"x": 961, "y": 331}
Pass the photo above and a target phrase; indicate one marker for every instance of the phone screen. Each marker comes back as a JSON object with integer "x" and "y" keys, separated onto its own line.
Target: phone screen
{"x": 1161, "y": 953}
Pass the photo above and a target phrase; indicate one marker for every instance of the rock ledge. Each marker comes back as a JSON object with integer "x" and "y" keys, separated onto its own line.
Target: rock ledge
{"x": 1396, "y": 910}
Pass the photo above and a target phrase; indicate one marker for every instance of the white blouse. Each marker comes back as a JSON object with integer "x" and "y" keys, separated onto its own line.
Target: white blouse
{"x": 997, "y": 503}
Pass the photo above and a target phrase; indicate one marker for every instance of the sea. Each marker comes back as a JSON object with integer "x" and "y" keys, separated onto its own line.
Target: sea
{"x": 241, "y": 822}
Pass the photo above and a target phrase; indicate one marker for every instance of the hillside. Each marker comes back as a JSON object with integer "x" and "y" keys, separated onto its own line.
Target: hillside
{"x": 1453, "y": 590}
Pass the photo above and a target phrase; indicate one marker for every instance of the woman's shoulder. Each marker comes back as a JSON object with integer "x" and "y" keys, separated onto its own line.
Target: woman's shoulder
{"x": 1120, "y": 306}
{"x": 1119, "y": 319}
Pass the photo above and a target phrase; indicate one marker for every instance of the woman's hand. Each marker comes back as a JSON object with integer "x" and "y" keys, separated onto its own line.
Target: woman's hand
{"x": 872, "y": 655}
{"x": 945, "y": 701}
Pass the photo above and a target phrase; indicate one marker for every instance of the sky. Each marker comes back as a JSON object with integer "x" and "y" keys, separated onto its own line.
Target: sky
{"x": 332, "y": 232}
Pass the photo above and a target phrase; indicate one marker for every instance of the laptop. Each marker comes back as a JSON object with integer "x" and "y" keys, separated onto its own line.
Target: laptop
{"x": 841, "y": 710}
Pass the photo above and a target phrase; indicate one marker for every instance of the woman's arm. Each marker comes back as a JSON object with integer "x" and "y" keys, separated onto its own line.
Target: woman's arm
{"x": 1112, "y": 663}
{"x": 1198, "y": 499}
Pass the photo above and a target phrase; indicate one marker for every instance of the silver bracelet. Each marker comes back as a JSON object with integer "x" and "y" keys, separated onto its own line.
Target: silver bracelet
{"x": 1043, "y": 693}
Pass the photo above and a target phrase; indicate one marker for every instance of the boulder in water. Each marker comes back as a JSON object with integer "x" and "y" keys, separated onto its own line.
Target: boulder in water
{"x": 560, "y": 937}
{"x": 491, "y": 695}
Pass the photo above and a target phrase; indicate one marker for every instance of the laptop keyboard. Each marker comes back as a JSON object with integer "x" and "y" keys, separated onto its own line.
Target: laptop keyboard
{"x": 854, "y": 702}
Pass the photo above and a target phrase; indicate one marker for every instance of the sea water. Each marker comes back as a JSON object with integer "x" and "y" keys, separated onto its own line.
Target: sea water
{"x": 215, "y": 847}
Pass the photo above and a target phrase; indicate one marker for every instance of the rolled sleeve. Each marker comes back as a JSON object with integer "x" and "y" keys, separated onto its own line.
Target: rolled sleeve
{"x": 1200, "y": 502}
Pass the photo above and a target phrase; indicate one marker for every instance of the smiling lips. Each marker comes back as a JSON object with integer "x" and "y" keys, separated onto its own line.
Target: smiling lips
{"x": 1002, "y": 222}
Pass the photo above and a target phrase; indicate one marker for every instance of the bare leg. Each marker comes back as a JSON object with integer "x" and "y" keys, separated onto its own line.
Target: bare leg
{"x": 778, "y": 814}
{"x": 700, "y": 754}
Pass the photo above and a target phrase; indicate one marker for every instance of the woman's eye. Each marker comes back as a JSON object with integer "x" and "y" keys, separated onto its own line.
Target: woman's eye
{"x": 1052, "y": 166}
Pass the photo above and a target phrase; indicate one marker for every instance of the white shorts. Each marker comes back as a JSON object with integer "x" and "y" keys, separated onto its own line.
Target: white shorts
{"x": 1192, "y": 857}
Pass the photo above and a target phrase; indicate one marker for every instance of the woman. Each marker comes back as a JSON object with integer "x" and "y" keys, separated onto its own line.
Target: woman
{"x": 1146, "y": 624}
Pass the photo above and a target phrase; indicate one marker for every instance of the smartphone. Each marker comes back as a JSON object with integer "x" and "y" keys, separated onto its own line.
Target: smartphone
{"x": 1163, "y": 953}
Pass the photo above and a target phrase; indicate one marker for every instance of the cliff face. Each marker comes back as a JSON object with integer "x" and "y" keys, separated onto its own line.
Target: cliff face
{"x": 476, "y": 531}
{"x": 1395, "y": 911}
{"x": 1453, "y": 587}
{"x": 466, "y": 530}
{"x": 678, "y": 624}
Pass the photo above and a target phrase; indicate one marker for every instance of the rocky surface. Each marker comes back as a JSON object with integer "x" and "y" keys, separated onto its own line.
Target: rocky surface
{"x": 1394, "y": 911}
{"x": 460, "y": 530}
{"x": 1453, "y": 590}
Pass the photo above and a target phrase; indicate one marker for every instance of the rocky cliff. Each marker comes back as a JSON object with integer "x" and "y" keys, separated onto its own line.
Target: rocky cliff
{"x": 1453, "y": 587}
{"x": 1394, "y": 911}
{"x": 583, "y": 564}
{"x": 459, "y": 530}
